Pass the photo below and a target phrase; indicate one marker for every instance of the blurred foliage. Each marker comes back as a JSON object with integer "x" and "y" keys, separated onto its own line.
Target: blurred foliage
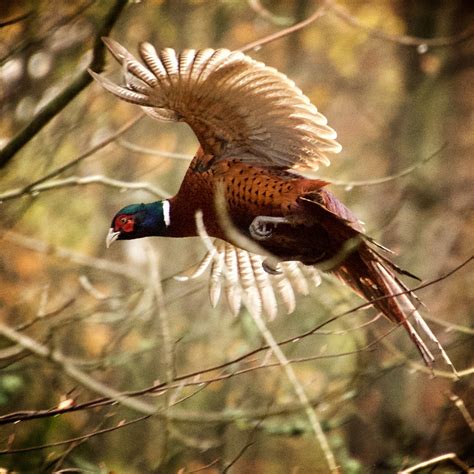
{"x": 393, "y": 106}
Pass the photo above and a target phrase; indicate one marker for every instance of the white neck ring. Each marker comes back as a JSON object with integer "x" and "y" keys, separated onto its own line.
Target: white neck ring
{"x": 166, "y": 213}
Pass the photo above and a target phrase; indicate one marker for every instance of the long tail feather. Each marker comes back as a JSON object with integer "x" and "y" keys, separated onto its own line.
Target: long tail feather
{"x": 369, "y": 275}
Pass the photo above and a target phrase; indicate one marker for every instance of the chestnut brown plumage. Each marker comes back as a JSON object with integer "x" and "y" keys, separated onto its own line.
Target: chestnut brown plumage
{"x": 256, "y": 130}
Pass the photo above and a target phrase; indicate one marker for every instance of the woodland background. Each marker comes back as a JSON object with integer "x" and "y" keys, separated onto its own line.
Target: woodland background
{"x": 81, "y": 325}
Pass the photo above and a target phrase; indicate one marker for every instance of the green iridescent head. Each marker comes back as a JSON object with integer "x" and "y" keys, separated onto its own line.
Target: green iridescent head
{"x": 139, "y": 220}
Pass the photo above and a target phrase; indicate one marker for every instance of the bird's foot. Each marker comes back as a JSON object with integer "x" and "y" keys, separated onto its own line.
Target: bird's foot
{"x": 261, "y": 227}
{"x": 270, "y": 265}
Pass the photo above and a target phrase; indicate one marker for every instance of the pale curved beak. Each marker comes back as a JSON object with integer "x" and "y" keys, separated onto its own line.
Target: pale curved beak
{"x": 111, "y": 237}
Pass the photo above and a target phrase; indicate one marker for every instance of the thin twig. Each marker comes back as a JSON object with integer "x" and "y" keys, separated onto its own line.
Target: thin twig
{"x": 46, "y": 315}
{"x": 207, "y": 466}
{"x": 152, "y": 151}
{"x": 166, "y": 342}
{"x": 419, "y": 367}
{"x": 461, "y": 406}
{"x": 76, "y": 257}
{"x": 298, "y": 389}
{"x": 75, "y": 440}
{"x": 74, "y": 161}
{"x": 74, "y": 372}
{"x": 393, "y": 177}
{"x": 342, "y": 13}
{"x": 452, "y": 457}
{"x": 287, "y": 31}
{"x": 82, "y": 181}
{"x": 182, "y": 415}
{"x": 450, "y": 326}
{"x": 238, "y": 456}
{"x": 267, "y": 15}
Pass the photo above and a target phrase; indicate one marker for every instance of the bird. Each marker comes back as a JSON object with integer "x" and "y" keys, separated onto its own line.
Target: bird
{"x": 258, "y": 135}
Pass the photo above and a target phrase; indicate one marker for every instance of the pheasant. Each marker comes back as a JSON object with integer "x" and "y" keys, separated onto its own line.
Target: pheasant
{"x": 257, "y": 131}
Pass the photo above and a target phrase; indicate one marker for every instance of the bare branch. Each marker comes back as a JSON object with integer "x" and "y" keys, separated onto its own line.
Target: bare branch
{"x": 57, "y": 104}
{"x": 343, "y": 14}
{"x": 207, "y": 466}
{"x": 152, "y": 151}
{"x": 72, "y": 371}
{"x": 451, "y": 326}
{"x": 418, "y": 367}
{"x": 461, "y": 406}
{"x": 287, "y": 31}
{"x": 81, "y": 259}
{"x": 102, "y": 144}
{"x": 195, "y": 381}
{"x": 451, "y": 457}
{"x": 373, "y": 182}
{"x": 82, "y": 181}
{"x": 299, "y": 391}
{"x": 122, "y": 424}
{"x": 267, "y": 15}
{"x": 330, "y": 6}
{"x": 46, "y": 315}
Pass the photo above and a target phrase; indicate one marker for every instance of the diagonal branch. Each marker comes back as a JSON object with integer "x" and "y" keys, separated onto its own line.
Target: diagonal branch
{"x": 451, "y": 457}
{"x": 343, "y": 14}
{"x": 57, "y": 104}
{"x": 72, "y": 371}
{"x": 287, "y": 31}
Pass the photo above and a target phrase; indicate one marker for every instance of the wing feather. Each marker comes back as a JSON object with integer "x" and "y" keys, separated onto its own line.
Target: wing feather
{"x": 237, "y": 107}
{"x": 238, "y": 274}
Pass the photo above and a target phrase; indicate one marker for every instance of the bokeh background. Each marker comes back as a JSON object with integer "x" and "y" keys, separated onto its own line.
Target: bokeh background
{"x": 79, "y": 322}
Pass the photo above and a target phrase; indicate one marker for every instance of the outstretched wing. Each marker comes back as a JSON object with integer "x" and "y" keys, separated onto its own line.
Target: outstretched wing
{"x": 236, "y": 106}
{"x": 239, "y": 276}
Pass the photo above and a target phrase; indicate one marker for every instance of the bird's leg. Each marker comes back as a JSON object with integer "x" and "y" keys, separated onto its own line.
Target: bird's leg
{"x": 260, "y": 228}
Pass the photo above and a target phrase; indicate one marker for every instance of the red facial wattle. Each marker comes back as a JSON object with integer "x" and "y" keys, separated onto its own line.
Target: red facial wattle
{"x": 124, "y": 224}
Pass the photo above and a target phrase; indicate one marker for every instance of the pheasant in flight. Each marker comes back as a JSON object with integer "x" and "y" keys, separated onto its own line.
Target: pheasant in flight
{"x": 256, "y": 129}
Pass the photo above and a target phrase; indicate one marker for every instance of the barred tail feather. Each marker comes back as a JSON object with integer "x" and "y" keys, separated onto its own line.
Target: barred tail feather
{"x": 370, "y": 276}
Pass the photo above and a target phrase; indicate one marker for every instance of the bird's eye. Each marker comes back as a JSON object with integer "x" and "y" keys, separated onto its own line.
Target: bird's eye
{"x": 123, "y": 220}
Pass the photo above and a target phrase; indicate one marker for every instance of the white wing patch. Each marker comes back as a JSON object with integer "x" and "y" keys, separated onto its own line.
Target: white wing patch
{"x": 239, "y": 275}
